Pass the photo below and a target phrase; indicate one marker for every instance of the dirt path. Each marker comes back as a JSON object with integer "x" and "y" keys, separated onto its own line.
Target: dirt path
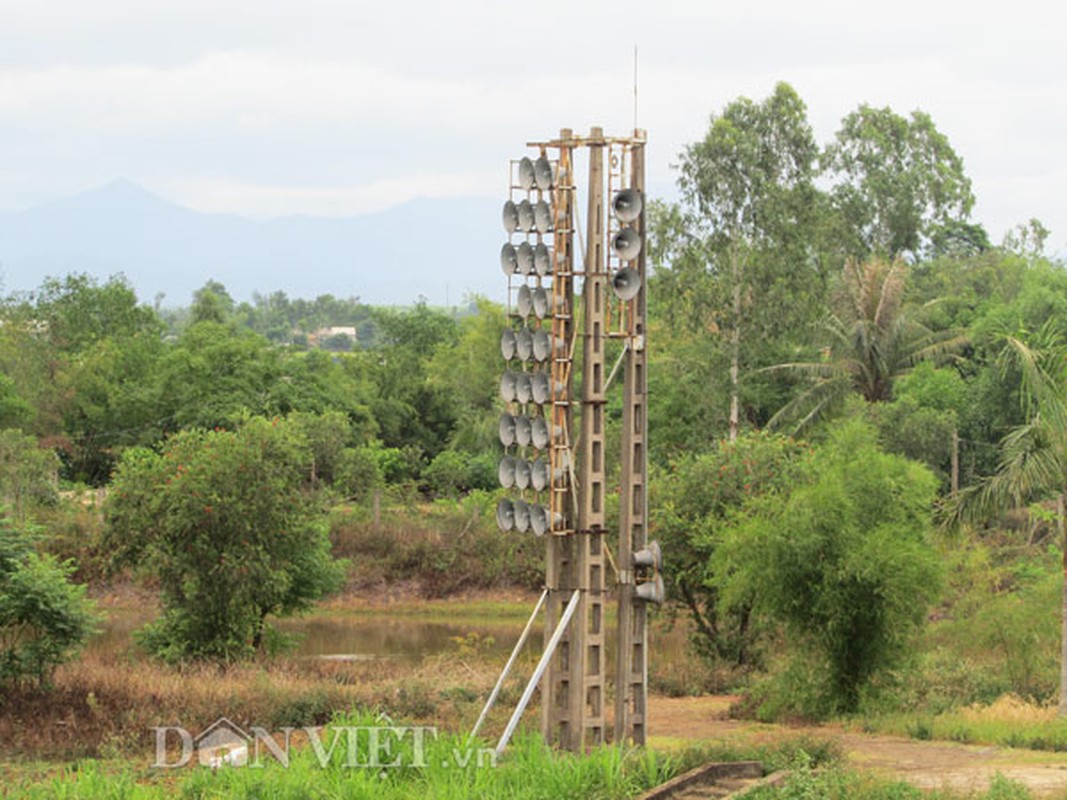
{"x": 928, "y": 765}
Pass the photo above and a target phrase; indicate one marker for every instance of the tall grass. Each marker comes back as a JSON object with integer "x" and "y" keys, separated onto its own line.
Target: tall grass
{"x": 529, "y": 769}
{"x": 1010, "y": 721}
{"x": 105, "y": 704}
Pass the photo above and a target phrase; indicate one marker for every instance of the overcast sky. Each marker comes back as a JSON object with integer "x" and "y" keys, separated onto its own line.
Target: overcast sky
{"x": 270, "y": 108}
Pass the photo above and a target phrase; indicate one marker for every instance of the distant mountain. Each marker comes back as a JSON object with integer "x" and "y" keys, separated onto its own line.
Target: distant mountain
{"x": 439, "y": 249}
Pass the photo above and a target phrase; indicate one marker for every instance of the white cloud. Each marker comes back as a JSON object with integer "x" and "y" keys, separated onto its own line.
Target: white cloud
{"x": 329, "y": 106}
{"x": 266, "y": 201}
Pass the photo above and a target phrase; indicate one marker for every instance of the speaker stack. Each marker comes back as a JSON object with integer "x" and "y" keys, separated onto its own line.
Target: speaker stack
{"x": 527, "y": 347}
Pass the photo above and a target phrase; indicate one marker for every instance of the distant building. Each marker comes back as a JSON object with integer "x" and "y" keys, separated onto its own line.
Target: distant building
{"x": 337, "y": 337}
{"x": 337, "y": 330}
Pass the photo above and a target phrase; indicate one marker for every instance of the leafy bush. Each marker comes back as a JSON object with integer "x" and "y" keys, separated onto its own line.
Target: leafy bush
{"x": 224, "y": 520}
{"x": 841, "y": 560}
{"x": 690, "y": 505}
{"x": 44, "y": 618}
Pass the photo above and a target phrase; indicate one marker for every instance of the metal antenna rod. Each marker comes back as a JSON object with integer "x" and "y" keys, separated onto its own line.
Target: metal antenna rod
{"x": 635, "y": 86}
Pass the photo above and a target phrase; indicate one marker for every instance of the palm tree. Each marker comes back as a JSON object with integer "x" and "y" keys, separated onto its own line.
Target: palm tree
{"x": 872, "y": 339}
{"x": 1033, "y": 464}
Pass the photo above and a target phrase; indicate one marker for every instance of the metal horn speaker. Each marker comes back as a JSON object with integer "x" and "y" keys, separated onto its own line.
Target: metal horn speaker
{"x": 526, "y": 173}
{"x": 523, "y": 391}
{"x": 522, "y": 474}
{"x": 509, "y": 259}
{"x": 507, "y": 430}
{"x": 525, "y": 213}
{"x": 507, "y": 344}
{"x": 652, "y": 591}
{"x": 524, "y": 256}
{"x": 542, "y": 217}
{"x": 524, "y": 344}
{"x": 651, "y": 556}
{"x": 626, "y": 283}
{"x": 542, "y": 345}
{"x": 523, "y": 431}
{"x": 539, "y": 433}
{"x": 521, "y": 511}
{"x": 507, "y": 386}
{"x": 539, "y": 475}
{"x": 542, "y": 259}
{"x": 542, "y": 520}
{"x": 541, "y": 388}
{"x": 505, "y": 515}
{"x": 541, "y": 302}
{"x": 544, "y": 175}
{"x": 506, "y": 472}
{"x": 524, "y": 301}
{"x": 510, "y": 217}
{"x": 627, "y": 244}
{"x": 627, "y": 205}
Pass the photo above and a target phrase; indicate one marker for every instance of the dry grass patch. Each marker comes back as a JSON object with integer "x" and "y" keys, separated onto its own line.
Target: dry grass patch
{"x": 107, "y": 703}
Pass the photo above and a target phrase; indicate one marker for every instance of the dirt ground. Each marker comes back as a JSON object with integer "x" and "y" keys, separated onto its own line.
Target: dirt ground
{"x": 928, "y": 765}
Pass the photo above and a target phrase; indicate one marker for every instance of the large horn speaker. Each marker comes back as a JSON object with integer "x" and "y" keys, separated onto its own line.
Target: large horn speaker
{"x": 541, "y": 519}
{"x": 541, "y": 302}
{"x": 523, "y": 431}
{"x": 542, "y": 259}
{"x": 510, "y": 217}
{"x": 524, "y": 255}
{"x": 522, "y": 474}
{"x": 541, "y": 388}
{"x": 627, "y": 244}
{"x": 542, "y": 217}
{"x": 506, "y": 472}
{"x": 627, "y": 205}
{"x": 524, "y": 344}
{"x": 539, "y": 433}
{"x": 523, "y": 389}
{"x": 651, "y": 591}
{"x": 507, "y": 344}
{"x": 509, "y": 259}
{"x": 524, "y": 301}
{"x": 507, "y": 430}
{"x": 542, "y": 345}
{"x": 525, "y": 213}
{"x": 507, "y": 386}
{"x": 505, "y": 515}
{"x": 626, "y": 283}
{"x": 544, "y": 175}
{"x": 539, "y": 475}
{"x": 521, "y": 510}
{"x": 526, "y": 173}
{"x": 650, "y": 556}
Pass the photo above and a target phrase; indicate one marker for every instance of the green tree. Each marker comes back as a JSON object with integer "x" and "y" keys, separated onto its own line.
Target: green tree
{"x": 871, "y": 341}
{"x": 692, "y": 501}
{"x": 212, "y": 303}
{"x": 751, "y": 219}
{"x": 44, "y": 618}
{"x": 898, "y": 184}
{"x": 224, "y": 520}
{"x": 28, "y": 473}
{"x": 78, "y": 311}
{"x": 214, "y": 373}
{"x": 840, "y": 558}
{"x": 1033, "y": 460}
{"x": 412, "y": 412}
{"x": 469, "y": 374}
